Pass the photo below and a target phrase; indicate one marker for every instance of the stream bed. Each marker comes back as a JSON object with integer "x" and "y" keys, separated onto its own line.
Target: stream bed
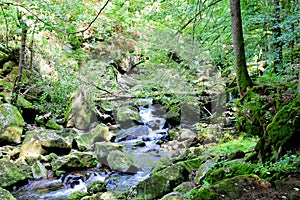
{"x": 142, "y": 146}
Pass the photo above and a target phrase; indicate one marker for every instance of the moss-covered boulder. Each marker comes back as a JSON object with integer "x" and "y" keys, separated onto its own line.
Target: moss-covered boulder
{"x": 79, "y": 113}
{"x": 11, "y": 124}
{"x": 232, "y": 188}
{"x": 42, "y": 141}
{"x": 39, "y": 170}
{"x": 96, "y": 186}
{"x": 120, "y": 161}
{"x": 229, "y": 169}
{"x": 164, "y": 180}
{"x": 11, "y": 173}
{"x": 102, "y": 149}
{"x": 127, "y": 116}
{"x": 203, "y": 169}
{"x": 283, "y": 133}
{"x": 6, "y": 195}
{"x": 77, "y": 195}
{"x": 99, "y": 134}
{"x": 74, "y": 160}
{"x": 173, "y": 116}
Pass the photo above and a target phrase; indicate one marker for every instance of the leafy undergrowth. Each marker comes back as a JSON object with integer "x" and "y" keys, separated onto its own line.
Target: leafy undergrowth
{"x": 242, "y": 178}
{"x": 242, "y": 144}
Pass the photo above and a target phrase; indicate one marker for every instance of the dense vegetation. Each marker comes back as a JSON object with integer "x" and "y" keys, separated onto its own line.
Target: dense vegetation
{"x": 178, "y": 52}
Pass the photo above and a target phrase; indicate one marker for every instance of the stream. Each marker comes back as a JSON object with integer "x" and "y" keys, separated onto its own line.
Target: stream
{"x": 140, "y": 142}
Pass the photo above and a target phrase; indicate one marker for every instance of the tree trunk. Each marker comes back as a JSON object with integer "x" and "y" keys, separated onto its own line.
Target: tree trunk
{"x": 243, "y": 78}
{"x": 276, "y": 30}
{"x": 16, "y": 88}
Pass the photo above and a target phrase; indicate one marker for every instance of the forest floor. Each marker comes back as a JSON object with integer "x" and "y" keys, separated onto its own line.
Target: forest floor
{"x": 283, "y": 189}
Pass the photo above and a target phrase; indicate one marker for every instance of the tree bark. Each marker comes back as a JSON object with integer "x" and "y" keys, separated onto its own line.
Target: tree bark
{"x": 16, "y": 88}
{"x": 277, "y": 43}
{"x": 243, "y": 79}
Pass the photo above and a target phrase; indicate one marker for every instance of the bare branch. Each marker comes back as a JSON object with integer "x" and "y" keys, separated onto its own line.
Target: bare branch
{"x": 89, "y": 26}
{"x": 195, "y": 16}
{"x": 55, "y": 27}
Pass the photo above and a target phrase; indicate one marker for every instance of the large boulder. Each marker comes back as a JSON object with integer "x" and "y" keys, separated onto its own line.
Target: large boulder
{"x": 11, "y": 173}
{"x": 283, "y": 133}
{"x": 173, "y": 116}
{"x": 74, "y": 160}
{"x": 99, "y": 134}
{"x": 42, "y": 141}
{"x": 121, "y": 162}
{"x": 232, "y": 188}
{"x": 127, "y": 116}
{"x": 11, "y": 124}
{"x": 79, "y": 113}
{"x": 132, "y": 133}
{"x": 163, "y": 180}
{"x": 96, "y": 187}
{"x": 102, "y": 149}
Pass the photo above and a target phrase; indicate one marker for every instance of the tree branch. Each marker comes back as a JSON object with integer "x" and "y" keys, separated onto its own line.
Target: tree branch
{"x": 89, "y": 26}
{"x": 54, "y": 27}
{"x": 92, "y": 84}
{"x": 195, "y": 16}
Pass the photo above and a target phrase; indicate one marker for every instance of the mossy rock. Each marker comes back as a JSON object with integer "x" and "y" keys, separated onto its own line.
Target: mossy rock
{"x": 23, "y": 103}
{"x": 51, "y": 124}
{"x": 232, "y": 188}
{"x": 79, "y": 113}
{"x": 173, "y": 116}
{"x": 121, "y": 162}
{"x": 229, "y": 169}
{"x": 42, "y": 141}
{"x": 283, "y": 124}
{"x": 6, "y": 195}
{"x": 74, "y": 160}
{"x": 96, "y": 187}
{"x": 11, "y": 124}
{"x": 39, "y": 170}
{"x": 12, "y": 174}
{"x": 163, "y": 181}
{"x": 77, "y": 195}
{"x": 153, "y": 187}
{"x": 100, "y": 133}
{"x": 282, "y": 134}
{"x": 127, "y": 116}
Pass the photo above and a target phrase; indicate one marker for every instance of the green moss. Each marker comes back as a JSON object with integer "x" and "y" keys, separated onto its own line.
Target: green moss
{"x": 231, "y": 188}
{"x": 96, "y": 187}
{"x": 53, "y": 125}
{"x": 229, "y": 169}
{"x": 243, "y": 144}
{"x": 77, "y": 195}
{"x": 282, "y": 126}
{"x": 11, "y": 173}
{"x": 6, "y": 195}
{"x": 153, "y": 187}
{"x": 23, "y": 103}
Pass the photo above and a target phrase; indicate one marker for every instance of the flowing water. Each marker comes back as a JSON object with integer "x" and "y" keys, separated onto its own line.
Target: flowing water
{"x": 139, "y": 142}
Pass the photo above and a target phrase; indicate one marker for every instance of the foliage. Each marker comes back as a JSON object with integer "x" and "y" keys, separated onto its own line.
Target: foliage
{"x": 243, "y": 144}
{"x": 271, "y": 171}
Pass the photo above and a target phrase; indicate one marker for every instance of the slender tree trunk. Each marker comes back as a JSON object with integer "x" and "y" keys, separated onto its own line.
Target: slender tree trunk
{"x": 16, "y": 88}
{"x": 276, "y": 29}
{"x": 243, "y": 78}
